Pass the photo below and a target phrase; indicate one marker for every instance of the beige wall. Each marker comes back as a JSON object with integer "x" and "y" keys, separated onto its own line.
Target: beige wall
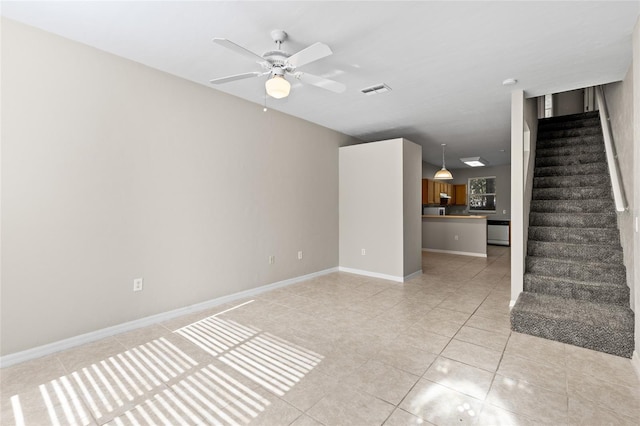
{"x": 111, "y": 171}
{"x": 636, "y": 186}
{"x": 458, "y": 236}
{"x": 622, "y": 100}
{"x": 518, "y": 225}
{"x": 412, "y": 209}
{"x": 429, "y": 170}
{"x": 529, "y": 161}
{"x": 619, "y": 100}
{"x": 372, "y": 207}
{"x": 636, "y": 190}
{"x": 566, "y": 103}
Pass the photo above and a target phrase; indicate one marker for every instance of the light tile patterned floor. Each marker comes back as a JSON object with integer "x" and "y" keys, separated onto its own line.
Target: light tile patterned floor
{"x": 340, "y": 349}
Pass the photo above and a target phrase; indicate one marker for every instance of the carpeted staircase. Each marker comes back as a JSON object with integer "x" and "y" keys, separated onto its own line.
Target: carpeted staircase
{"x": 575, "y": 288}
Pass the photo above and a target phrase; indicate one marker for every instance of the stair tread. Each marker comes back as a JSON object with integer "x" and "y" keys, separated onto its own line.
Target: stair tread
{"x": 613, "y": 244}
{"x": 612, "y": 213}
{"x": 581, "y": 282}
{"x": 570, "y": 117}
{"x": 577, "y": 245}
{"x": 597, "y": 314}
{"x": 577, "y": 262}
{"x": 570, "y": 170}
{"x": 584, "y": 228}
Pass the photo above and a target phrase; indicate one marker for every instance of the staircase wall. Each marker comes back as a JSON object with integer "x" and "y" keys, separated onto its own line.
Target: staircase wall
{"x": 625, "y": 122}
{"x": 524, "y": 125}
{"x": 619, "y": 98}
{"x": 636, "y": 183}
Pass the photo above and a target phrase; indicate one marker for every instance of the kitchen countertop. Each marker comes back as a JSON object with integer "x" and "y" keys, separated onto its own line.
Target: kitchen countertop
{"x": 452, "y": 216}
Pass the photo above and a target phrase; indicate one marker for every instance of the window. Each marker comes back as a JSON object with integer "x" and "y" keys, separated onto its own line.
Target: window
{"x": 482, "y": 194}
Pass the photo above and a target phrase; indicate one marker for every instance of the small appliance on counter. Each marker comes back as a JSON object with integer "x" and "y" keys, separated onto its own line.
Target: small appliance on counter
{"x": 439, "y": 211}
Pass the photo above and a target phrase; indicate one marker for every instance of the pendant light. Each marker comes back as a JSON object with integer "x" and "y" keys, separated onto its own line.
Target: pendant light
{"x": 443, "y": 173}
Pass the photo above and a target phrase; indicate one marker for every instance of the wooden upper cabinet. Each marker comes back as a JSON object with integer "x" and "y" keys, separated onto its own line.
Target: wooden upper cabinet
{"x": 431, "y": 199}
{"x": 432, "y": 189}
{"x": 425, "y": 191}
{"x": 459, "y": 196}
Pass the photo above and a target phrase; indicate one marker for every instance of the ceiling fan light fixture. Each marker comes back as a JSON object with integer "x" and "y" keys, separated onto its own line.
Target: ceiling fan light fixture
{"x": 474, "y": 161}
{"x": 277, "y": 87}
{"x": 443, "y": 173}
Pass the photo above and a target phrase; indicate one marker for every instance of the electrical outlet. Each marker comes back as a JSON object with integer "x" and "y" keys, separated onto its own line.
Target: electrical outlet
{"x": 504, "y": 212}
{"x": 455, "y": 238}
{"x": 300, "y": 255}
{"x": 364, "y": 252}
{"x": 272, "y": 260}
{"x": 137, "y": 284}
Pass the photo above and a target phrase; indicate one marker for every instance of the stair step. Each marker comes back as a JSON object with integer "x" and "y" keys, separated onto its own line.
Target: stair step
{"x": 570, "y": 160}
{"x": 579, "y": 193}
{"x": 570, "y": 124}
{"x": 569, "y": 117}
{"x": 571, "y": 181}
{"x": 569, "y": 150}
{"x": 592, "y": 291}
{"x": 572, "y": 206}
{"x": 568, "y": 133}
{"x": 613, "y": 273}
{"x": 601, "y": 327}
{"x": 575, "y": 169}
{"x": 574, "y": 220}
{"x": 604, "y": 236}
{"x": 583, "y": 252}
{"x": 571, "y": 141}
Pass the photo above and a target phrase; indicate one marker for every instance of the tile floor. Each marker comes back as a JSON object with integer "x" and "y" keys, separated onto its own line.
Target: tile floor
{"x": 340, "y": 349}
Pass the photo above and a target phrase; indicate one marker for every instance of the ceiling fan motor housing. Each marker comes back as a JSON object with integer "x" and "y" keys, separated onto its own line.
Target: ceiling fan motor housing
{"x": 276, "y": 57}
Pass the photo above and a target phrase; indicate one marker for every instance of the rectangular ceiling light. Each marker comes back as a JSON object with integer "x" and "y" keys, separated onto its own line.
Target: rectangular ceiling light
{"x": 474, "y": 161}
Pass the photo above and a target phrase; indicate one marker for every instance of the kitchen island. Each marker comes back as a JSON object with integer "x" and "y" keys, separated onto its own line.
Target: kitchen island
{"x": 466, "y": 235}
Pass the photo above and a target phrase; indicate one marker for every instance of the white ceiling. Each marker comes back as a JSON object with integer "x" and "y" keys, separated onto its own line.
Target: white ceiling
{"x": 444, "y": 61}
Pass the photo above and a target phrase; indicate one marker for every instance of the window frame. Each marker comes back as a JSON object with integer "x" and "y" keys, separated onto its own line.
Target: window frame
{"x": 469, "y": 195}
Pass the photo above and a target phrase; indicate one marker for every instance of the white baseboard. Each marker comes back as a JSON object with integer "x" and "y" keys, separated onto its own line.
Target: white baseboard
{"x": 371, "y": 274}
{"x": 378, "y": 275}
{"x": 463, "y": 253}
{"x": 415, "y": 274}
{"x": 60, "y": 345}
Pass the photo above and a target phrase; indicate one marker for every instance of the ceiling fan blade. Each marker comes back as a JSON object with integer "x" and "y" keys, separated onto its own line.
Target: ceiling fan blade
{"x": 309, "y": 54}
{"x": 239, "y": 49}
{"x": 235, "y": 77}
{"x": 321, "y": 82}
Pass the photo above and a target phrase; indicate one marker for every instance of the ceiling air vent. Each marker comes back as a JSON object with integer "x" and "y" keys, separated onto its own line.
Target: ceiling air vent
{"x": 374, "y": 90}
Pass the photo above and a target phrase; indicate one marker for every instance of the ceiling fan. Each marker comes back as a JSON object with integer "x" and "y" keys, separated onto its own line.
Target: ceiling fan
{"x": 278, "y": 63}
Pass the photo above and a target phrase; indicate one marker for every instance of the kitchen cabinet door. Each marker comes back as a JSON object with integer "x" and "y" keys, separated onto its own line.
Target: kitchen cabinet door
{"x": 431, "y": 192}
{"x": 425, "y": 191}
{"x": 459, "y": 195}
{"x": 436, "y": 191}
